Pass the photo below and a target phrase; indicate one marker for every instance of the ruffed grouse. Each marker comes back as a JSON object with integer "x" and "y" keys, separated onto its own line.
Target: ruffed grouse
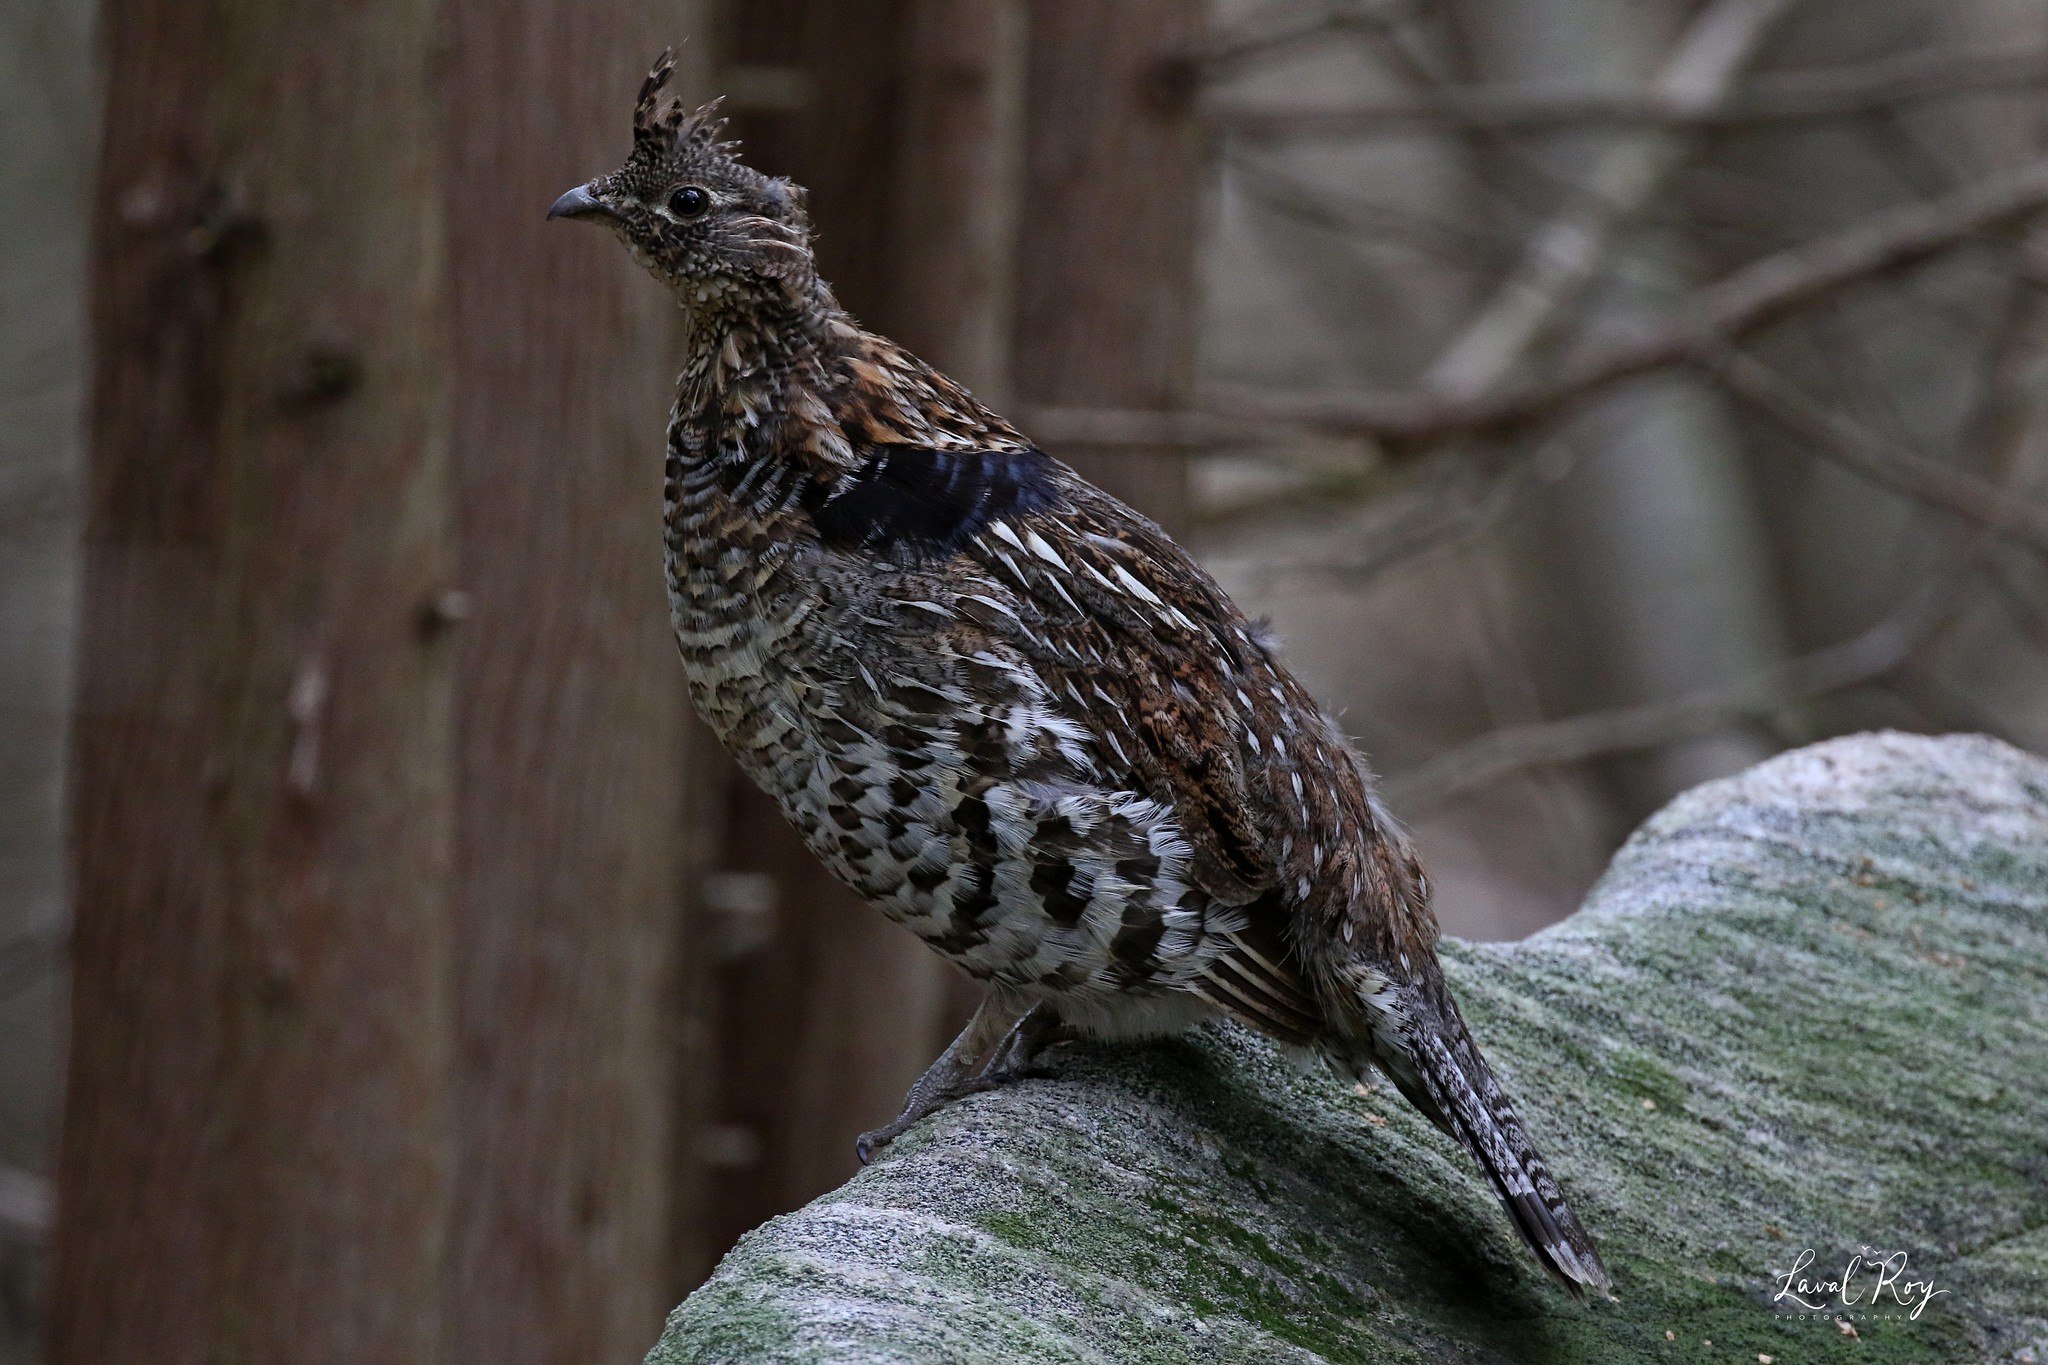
{"x": 1008, "y": 710}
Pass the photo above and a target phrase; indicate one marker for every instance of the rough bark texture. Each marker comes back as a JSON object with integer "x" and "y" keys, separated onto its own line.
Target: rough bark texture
{"x": 378, "y": 777}
{"x": 1113, "y": 170}
{"x": 254, "y": 1161}
{"x": 1803, "y": 1010}
{"x": 570, "y": 749}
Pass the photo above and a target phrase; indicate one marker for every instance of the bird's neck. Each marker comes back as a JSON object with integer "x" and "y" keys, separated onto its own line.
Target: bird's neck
{"x": 755, "y": 395}
{"x": 748, "y": 350}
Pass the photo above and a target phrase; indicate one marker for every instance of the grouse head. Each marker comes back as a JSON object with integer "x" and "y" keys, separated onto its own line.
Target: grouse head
{"x": 719, "y": 232}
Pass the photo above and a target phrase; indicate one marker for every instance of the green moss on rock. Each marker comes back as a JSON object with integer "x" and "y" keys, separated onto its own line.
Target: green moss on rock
{"x": 1807, "y": 1008}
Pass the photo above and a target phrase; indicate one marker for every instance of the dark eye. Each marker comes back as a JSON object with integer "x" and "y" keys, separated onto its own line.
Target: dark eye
{"x": 688, "y": 202}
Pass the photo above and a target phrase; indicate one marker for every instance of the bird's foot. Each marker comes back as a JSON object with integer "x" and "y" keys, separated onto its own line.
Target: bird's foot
{"x": 1016, "y": 1057}
{"x": 869, "y": 1145}
{"x": 949, "y": 1078}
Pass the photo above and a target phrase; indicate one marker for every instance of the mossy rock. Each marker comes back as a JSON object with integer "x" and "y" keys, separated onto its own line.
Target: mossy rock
{"x": 1806, "y": 1009}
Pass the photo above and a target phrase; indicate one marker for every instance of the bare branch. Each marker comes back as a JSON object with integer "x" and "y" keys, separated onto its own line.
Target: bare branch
{"x": 1448, "y": 519}
{"x": 1267, "y": 184}
{"x": 1866, "y": 658}
{"x": 1792, "y": 96}
{"x": 1876, "y": 654}
{"x": 1752, "y": 297}
{"x": 1564, "y": 255}
{"x": 1869, "y": 455}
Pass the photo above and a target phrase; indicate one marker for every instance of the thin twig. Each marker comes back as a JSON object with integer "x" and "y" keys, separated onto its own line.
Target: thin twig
{"x": 1879, "y": 652}
{"x": 1299, "y": 489}
{"x": 1320, "y": 206}
{"x": 1752, "y": 297}
{"x": 1512, "y": 167}
{"x": 1507, "y": 686}
{"x": 1863, "y": 659}
{"x": 1564, "y": 255}
{"x": 1444, "y": 520}
{"x": 1864, "y": 452}
{"x": 1792, "y": 96}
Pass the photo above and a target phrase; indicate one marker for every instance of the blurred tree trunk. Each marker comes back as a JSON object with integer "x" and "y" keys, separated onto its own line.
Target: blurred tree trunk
{"x": 254, "y": 1162}
{"x": 570, "y": 748}
{"x": 1106, "y": 314}
{"x": 378, "y": 765}
{"x": 953, "y": 213}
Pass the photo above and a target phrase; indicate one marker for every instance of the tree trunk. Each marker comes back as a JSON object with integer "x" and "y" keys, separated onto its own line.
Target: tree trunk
{"x": 1106, "y": 312}
{"x": 254, "y": 1163}
{"x": 958, "y": 175}
{"x": 378, "y": 765}
{"x": 568, "y": 700}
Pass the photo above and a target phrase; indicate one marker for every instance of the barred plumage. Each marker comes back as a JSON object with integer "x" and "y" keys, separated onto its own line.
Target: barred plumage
{"x": 1010, "y": 711}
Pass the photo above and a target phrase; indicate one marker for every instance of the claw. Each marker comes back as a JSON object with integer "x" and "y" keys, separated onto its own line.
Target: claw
{"x": 918, "y": 1108}
{"x": 869, "y": 1145}
{"x": 949, "y": 1078}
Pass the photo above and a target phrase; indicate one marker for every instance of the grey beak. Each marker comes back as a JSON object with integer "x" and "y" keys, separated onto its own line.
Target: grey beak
{"x": 577, "y": 203}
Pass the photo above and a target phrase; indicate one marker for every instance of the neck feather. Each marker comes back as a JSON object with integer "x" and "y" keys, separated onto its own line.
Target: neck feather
{"x": 755, "y": 341}
{"x": 753, "y": 405}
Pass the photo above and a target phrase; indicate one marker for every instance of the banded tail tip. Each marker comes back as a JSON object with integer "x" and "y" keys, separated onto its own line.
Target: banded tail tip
{"x": 1459, "y": 1091}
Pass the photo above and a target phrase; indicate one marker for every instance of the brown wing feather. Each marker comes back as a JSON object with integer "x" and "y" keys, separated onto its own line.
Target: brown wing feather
{"x": 1176, "y": 686}
{"x": 1154, "y": 658}
{"x": 1255, "y": 980}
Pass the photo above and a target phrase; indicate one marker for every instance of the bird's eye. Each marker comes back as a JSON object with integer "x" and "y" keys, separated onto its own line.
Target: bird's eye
{"x": 689, "y": 202}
